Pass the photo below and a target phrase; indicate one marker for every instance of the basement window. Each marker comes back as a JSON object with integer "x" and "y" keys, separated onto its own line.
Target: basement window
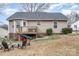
{"x": 38, "y": 23}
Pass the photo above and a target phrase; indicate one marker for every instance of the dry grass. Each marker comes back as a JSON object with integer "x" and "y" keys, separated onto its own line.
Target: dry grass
{"x": 58, "y": 45}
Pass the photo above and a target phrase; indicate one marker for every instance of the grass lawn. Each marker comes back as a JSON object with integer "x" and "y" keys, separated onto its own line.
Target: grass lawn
{"x": 55, "y": 45}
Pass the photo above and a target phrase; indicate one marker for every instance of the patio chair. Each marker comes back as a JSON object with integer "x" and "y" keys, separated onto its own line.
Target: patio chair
{"x": 1, "y": 47}
{"x": 24, "y": 44}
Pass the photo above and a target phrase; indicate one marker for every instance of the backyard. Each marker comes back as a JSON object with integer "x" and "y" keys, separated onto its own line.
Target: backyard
{"x": 55, "y": 45}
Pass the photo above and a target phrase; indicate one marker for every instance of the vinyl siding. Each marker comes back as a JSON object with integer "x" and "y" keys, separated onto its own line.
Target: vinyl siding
{"x": 44, "y": 25}
{"x": 48, "y": 24}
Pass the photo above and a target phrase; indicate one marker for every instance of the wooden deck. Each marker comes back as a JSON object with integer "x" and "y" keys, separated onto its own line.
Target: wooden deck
{"x": 27, "y": 30}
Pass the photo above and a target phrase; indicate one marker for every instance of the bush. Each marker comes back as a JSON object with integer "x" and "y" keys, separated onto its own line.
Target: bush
{"x": 66, "y": 30}
{"x": 49, "y": 31}
{"x": 70, "y": 30}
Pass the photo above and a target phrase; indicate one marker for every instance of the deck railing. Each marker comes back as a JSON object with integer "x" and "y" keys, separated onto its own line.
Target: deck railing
{"x": 27, "y": 29}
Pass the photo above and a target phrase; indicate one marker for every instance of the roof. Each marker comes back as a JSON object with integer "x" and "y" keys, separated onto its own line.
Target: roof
{"x": 37, "y": 16}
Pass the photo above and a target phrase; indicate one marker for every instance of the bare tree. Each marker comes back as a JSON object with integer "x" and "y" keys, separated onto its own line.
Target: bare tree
{"x": 73, "y": 17}
{"x": 34, "y": 7}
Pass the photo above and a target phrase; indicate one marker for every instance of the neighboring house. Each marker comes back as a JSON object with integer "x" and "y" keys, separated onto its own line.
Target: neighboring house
{"x": 36, "y": 22}
{"x": 75, "y": 26}
{"x": 3, "y": 31}
{"x": 74, "y": 23}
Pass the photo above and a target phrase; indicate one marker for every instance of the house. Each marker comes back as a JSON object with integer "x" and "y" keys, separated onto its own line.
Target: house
{"x": 75, "y": 26}
{"x": 3, "y": 31}
{"x": 74, "y": 23}
{"x": 36, "y": 22}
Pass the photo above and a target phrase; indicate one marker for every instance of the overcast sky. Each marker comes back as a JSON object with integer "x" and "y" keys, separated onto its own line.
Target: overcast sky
{"x": 64, "y": 8}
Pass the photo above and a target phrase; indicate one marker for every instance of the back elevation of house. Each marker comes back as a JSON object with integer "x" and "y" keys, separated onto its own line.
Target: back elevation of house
{"x": 36, "y": 22}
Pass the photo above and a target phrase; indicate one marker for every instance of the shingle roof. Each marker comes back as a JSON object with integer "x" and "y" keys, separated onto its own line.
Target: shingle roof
{"x": 37, "y": 16}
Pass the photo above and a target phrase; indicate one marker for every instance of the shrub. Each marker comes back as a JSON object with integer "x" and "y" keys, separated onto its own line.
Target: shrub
{"x": 70, "y": 30}
{"x": 66, "y": 30}
{"x": 49, "y": 31}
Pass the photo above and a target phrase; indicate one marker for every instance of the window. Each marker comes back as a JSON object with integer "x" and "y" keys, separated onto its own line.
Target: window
{"x": 75, "y": 26}
{"x": 24, "y": 23}
{"x": 55, "y": 24}
{"x": 38, "y": 23}
{"x": 69, "y": 26}
{"x": 17, "y": 23}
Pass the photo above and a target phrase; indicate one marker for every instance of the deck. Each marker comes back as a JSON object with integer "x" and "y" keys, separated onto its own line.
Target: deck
{"x": 29, "y": 30}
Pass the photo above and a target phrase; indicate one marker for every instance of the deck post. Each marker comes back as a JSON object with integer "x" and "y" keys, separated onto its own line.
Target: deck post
{"x": 36, "y": 35}
{"x": 36, "y": 32}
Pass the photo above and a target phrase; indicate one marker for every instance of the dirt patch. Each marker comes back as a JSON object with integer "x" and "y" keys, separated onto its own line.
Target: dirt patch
{"x": 60, "y": 45}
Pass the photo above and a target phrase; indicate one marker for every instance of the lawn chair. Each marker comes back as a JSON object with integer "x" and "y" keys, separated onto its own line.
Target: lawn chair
{"x": 1, "y": 47}
{"x": 5, "y": 45}
{"x": 11, "y": 46}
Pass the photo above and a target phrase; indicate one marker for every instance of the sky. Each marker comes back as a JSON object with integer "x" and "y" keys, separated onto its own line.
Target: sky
{"x": 11, "y": 8}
